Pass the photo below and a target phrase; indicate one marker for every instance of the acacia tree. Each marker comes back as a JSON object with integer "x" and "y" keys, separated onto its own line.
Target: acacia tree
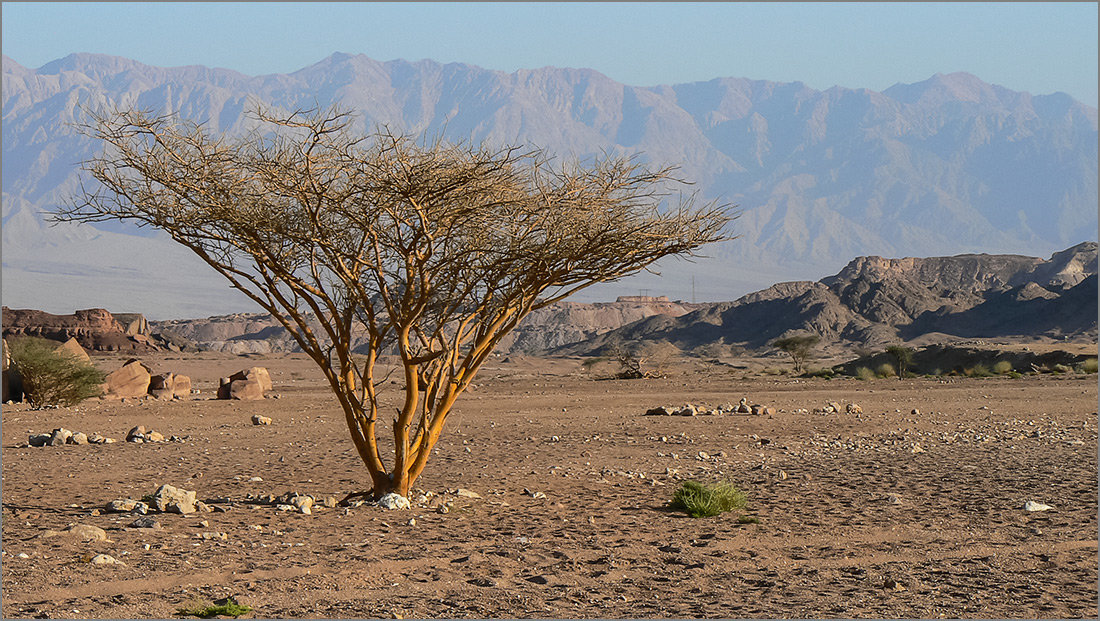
{"x": 434, "y": 251}
{"x": 798, "y": 347}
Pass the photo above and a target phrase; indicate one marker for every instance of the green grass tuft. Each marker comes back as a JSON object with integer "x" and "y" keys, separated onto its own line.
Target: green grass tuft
{"x": 864, "y": 373}
{"x": 1088, "y": 366}
{"x": 748, "y": 519}
{"x": 229, "y": 608}
{"x": 700, "y": 500}
{"x": 1002, "y": 367}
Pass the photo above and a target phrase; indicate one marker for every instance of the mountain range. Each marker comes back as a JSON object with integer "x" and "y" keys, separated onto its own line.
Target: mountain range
{"x": 944, "y": 166}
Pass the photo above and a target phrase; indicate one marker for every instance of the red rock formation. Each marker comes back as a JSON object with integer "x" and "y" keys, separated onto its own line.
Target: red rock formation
{"x": 94, "y": 329}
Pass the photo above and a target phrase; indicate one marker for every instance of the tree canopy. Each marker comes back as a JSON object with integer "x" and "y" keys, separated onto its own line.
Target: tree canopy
{"x": 433, "y": 250}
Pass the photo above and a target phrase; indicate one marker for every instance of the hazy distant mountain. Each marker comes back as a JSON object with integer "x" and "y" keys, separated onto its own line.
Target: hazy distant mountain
{"x": 944, "y": 166}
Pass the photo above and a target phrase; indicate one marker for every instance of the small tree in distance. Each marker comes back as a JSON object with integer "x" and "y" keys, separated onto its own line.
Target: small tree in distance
{"x": 435, "y": 251}
{"x": 903, "y": 356}
{"x": 798, "y": 347}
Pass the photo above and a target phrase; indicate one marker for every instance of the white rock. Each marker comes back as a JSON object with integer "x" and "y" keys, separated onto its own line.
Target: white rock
{"x": 105, "y": 559}
{"x": 1031, "y": 505}
{"x": 394, "y": 501}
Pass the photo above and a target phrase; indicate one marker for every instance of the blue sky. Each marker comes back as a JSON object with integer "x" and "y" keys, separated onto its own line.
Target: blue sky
{"x": 1036, "y": 47}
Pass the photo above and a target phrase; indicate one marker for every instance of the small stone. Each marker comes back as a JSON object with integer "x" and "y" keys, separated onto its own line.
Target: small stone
{"x": 204, "y": 523}
{"x": 852, "y": 408}
{"x": 255, "y": 480}
{"x": 284, "y": 508}
{"x": 59, "y": 437}
{"x": 304, "y": 504}
{"x": 124, "y": 505}
{"x": 260, "y": 420}
{"x": 411, "y": 522}
{"x": 782, "y": 475}
{"x": 1032, "y": 505}
{"x": 39, "y": 439}
{"x": 87, "y": 532}
{"x": 394, "y": 501}
{"x": 154, "y": 436}
{"x": 95, "y": 438}
{"x": 202, "y": 507}
{"x": 465, "y": 493}
{"x": 173, "y": 499}
{"x": 329, "y": 501}
{"x": 894, "y": 499}
{"x": 214, "y": 535}
{"x": 916, "y": 449}
{"x": 136, "y": 434}
{"x": 145, "y": 522}
{"x": 78, "y": 438}
{"x": 915, "y": 412}
{"x": 538, "y": 579}
{"x": 105, "y": 559}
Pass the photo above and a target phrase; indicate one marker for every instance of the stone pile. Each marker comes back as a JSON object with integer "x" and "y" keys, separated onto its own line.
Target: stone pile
{"x": 61, "y": 436}
{"x": 167, "y": 499}
{"x": 691, "y": 409}
{"x": 135, "y": 380}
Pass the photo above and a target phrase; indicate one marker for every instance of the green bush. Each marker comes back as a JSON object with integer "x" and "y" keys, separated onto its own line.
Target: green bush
{"x": 53, "y": 378}
{"x": 1088, "y": 366}
{"x": 1061, "y": 368}
{"x": 700, "y": 500}
{"x": 223, "y": 608}
{"x": 1002, "y": 367}
{"x": 865, "y": 373}
{"x": 885, "y": 370}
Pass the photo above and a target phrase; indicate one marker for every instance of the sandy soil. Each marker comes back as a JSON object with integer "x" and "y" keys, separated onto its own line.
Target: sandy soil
{"x": 855, "y": 521}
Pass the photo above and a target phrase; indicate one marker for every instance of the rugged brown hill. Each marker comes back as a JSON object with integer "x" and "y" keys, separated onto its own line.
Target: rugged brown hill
{"x": 875, "y": 301}
{"x": 95, "y": 329}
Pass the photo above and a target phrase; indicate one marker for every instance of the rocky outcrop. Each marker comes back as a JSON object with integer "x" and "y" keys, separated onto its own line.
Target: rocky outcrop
{"x": 875, "y": 302}
{"x": 95, "y": 329}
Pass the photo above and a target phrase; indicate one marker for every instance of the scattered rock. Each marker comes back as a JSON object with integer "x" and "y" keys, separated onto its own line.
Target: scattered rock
{"x": 260, "y": 420}
{"x": 127, "y": 505}
{"x": 329, "y": 501}
{"x": 145, "y": 522}
{"x": 394, "y": 501}
{"x": 538, "y": 579}
{"x": 39, "y": 439}
{"x": 105, "y": 559}
{"x": 59, "y": 437}
{"x": 1032, "y": 505}
{"x": 154, "y": 436}
{"x": 465, "y": 493}
{"x": 304, "y": 504}
{"x": 852, "y": 408}
{"x": 84, "y": 532}
{"x": 78, "y": 437}
{"x": 173, "y": 500}
{"x": 917, "y": 448}
{"x": 743, "y": 406}
{"x": 136, "y": 434}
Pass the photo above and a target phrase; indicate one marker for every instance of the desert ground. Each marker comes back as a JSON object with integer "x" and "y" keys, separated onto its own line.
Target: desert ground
{"x": 887, "y": 513}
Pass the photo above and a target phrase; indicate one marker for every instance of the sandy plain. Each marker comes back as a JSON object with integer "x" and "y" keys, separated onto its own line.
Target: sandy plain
{"x": 885, "y": 514}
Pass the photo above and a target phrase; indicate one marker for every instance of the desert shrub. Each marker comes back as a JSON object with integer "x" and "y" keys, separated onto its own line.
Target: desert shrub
{"x": 1002, "y": 367}
{"x": 748, "y": 519}
{"x": 826, "y": 372}
{"x": 701, "y": 500}
{"x": 774, "y": 371}
{"x": 978, "y": 370}
{"x": 885, "y": 370}
{"x": 865, "y": 373}
{"x": 1087, "y": 366}
{"x": 227, "y": 608}
{"x": 53, "y": 378}
{"x": 1015, "y": 374}
{"x": 1060, "y": 368}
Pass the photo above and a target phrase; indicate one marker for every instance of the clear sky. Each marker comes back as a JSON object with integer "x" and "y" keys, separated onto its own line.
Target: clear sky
{"x": 1038, "y": 47}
